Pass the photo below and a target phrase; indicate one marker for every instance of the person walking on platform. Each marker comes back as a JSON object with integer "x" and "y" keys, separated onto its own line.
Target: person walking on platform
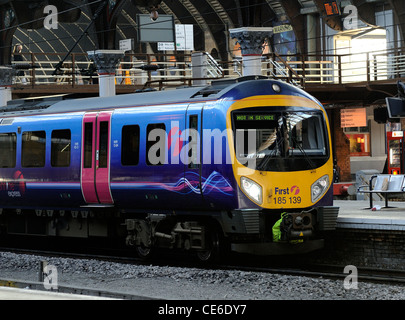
{"x": 17, "y": 56}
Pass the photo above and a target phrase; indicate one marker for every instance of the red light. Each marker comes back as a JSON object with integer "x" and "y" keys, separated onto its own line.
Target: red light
{"x": 394, "y": 172}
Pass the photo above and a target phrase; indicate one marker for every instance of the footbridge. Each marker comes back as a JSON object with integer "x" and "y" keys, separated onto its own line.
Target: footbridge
{"x": 333, "y": 79}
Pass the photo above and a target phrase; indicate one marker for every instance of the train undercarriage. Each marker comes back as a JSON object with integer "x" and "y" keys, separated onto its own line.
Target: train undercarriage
{"x": 140, "y": 233}
{"x": 208, "y": 238}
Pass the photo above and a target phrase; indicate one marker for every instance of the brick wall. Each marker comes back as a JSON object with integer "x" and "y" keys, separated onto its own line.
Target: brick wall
{"x": 341, "y": 147}
{"x": 364, "y": 248}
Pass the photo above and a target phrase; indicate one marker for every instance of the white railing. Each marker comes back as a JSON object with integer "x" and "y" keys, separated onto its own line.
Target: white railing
{"x": 214, "y": 70}
{"x": 341, "y": 69}
{"x": 141, "y": 69}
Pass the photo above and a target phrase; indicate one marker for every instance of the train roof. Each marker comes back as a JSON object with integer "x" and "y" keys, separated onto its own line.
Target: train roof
{"x": 230, "y": 88}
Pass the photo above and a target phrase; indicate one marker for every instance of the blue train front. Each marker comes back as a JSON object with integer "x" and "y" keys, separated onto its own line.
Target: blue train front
{"x": 199, "y": 169}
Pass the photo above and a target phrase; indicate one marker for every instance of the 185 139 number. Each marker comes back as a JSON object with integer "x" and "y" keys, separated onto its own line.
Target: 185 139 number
{"x": 287, "y": 200}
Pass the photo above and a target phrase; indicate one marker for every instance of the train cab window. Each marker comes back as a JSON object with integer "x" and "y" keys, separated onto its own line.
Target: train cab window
{"x": 280, "y": 139}
{"x": 130, "y": 145}
{"x": 60, "y": 148}
{"x": 8, "y": 143}
{"x": 33, "y": 149}
{"x": 156, "y": 144}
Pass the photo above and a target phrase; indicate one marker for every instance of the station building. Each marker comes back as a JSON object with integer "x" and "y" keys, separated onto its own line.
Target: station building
{"x": 347, "y": 53}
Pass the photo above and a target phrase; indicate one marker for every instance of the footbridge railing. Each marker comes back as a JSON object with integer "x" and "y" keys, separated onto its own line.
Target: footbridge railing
{"x": 168, "y": 70}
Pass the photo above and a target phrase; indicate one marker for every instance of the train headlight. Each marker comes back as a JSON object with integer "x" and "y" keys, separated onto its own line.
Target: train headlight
{"x": 252, "y": 189}
{"x": 319, "y": 188}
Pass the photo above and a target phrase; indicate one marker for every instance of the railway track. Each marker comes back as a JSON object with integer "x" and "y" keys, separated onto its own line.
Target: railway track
{"x": 337, "y": 272}
{"x": 391, "y": 276}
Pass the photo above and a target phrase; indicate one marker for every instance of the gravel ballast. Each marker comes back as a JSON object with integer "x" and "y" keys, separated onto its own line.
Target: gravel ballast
{"x": 183, "y": 283}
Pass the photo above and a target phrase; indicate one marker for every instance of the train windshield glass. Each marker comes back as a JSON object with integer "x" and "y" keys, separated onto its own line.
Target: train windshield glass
{"x": 280, "y": 140}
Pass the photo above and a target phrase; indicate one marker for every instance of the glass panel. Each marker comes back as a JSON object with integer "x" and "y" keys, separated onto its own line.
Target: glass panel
{"x": 60, "y": 148}
{"x": 130, "y": 145}
{"x": 103, "y": 146}
{"x": 8, "y": 142}
{"x": 193, "y": 143}
{"x": 280, "y": 141}
{"x": 33, "y": 149}
{"x": 156, "y": 144}
{"x": 359, "y": 144}
{"x": 88, "y": 145}
{"x": 395, "y": 153}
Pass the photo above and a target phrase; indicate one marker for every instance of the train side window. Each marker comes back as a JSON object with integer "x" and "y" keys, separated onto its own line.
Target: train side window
{"x": 130, "y": 145}
{"x": 8, "y": 147}
{"x": 60, "y": 148}
{"x": 156, "y": 144}
{"x": 33, "y": 149}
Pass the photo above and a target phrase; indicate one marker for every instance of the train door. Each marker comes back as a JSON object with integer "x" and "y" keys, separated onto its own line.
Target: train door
{"x": 193, "y": 156}
{"x": 96, "y": 141}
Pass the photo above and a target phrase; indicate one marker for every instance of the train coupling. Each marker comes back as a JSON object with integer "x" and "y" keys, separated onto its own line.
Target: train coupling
{"x": 293, "y": 227}
{"x": 305, "y": 224}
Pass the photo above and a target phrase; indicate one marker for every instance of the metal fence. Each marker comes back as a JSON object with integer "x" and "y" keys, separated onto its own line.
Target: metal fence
{"x": 158, "y": 70}
{"x": 347, "y": 68}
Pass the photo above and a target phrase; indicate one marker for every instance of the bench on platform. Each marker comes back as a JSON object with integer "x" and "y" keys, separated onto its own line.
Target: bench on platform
{"x": 384, "y": 184}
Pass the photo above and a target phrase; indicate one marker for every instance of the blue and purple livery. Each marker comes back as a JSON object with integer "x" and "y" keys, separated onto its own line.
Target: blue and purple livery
{"x": 191, "y": 168}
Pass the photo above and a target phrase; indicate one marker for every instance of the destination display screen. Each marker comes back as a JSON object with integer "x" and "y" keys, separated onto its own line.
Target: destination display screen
{"x": 254, "y": 117}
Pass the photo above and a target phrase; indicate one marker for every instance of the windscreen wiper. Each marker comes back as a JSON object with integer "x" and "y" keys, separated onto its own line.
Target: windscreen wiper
{"x": 270, "y": 155}
{"x": 308, "y": 159}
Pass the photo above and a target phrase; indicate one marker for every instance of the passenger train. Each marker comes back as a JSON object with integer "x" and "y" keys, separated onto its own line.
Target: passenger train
{"x": 198, "y": 169}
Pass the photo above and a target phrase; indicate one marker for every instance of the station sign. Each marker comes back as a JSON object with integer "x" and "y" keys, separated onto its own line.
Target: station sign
{"x": 165, "y": 46}
{"x": 397, "y": 134}
{"x": 353, "y": 118}
{"x": 161, "y": 29}
{"x": 282, "y": 28}
{"x": 185, "y": 37}
{"x": 126, "y": 44}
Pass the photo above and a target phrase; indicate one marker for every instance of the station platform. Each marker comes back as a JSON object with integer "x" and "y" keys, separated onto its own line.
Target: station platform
{"x": 367, "y": 238}
{"x": 356, "y": 214}
{"x": 9, "y": 293}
